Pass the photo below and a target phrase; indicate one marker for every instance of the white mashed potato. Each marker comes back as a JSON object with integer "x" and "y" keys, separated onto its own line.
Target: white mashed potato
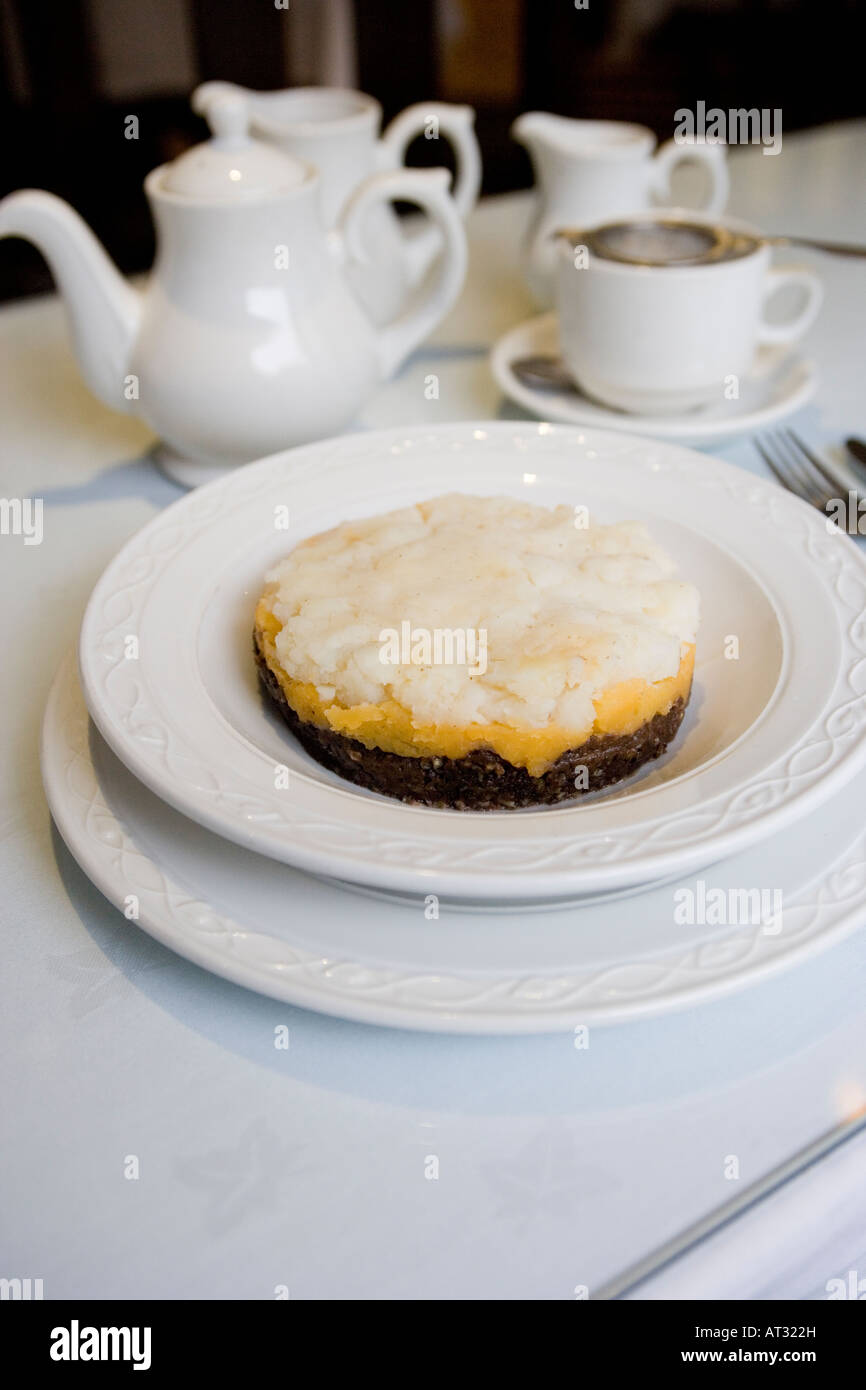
{"x": 566, "y": 611}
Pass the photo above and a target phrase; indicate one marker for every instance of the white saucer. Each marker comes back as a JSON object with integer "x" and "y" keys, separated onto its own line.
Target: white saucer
{"x": 308, "y": 942}
{"x": 780, "y": 383}
{"x": 169, "y": 678}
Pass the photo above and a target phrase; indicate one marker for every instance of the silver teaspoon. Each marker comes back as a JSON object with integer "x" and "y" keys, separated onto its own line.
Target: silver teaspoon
{"x": 543, "y": 373}
{"x": 833, "y": 248}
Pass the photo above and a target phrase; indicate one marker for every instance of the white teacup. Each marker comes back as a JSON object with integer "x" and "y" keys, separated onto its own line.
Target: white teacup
{"x": 664, "y": 312}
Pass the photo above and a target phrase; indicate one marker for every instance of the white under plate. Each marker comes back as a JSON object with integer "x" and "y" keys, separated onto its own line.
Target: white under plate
{"x": 779, "y": 384}
{"x": 309, "y": 942}
{"x": 169, "y": 677}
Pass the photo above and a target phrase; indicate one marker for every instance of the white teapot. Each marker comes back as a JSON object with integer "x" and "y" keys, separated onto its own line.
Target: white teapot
{"x": 337, "y": 130}
{"x": 247, "y": 338}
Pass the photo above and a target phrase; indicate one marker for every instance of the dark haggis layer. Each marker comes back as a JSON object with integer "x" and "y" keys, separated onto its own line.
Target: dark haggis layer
{"x": 481, "y": 781}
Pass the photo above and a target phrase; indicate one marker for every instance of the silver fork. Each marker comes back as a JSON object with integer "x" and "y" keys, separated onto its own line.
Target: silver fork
{"x": 799, "y": 470}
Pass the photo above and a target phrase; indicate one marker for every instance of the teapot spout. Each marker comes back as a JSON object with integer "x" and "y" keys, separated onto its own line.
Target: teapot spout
{"x": 104, "y": 310}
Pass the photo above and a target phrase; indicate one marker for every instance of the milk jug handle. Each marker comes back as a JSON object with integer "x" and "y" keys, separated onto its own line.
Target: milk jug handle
{"x": 672, "y": 153}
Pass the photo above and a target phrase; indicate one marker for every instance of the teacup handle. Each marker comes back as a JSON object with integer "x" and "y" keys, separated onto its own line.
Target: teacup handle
{"x": 673, "y": 153}
{"x": 429, "y": 189}
{"x": 456, "y": 123}
{"x": 794, "y": 328}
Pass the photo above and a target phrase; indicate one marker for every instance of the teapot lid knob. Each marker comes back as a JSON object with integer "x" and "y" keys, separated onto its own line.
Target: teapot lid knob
{"x": 231, "y": 166}
{"x": 228, "y": 117}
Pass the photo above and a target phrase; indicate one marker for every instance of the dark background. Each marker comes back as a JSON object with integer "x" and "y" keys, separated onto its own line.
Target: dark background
{"x": 72, "y": 70}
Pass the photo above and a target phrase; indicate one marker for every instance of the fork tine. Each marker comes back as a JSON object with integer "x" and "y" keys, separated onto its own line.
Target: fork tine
{"x": 816, "y": 463}
{"x": 780, "y": 477}
{"x": 813, "y": 481}
{"x": 800, "y": 468}
{"x": 791, "y": 477}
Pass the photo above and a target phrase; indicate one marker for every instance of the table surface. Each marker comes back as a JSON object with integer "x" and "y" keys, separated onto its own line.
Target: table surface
{"x": 305, "y": 1169}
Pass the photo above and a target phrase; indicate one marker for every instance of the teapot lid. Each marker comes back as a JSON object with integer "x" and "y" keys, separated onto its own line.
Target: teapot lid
{"x": 231, "y": 166}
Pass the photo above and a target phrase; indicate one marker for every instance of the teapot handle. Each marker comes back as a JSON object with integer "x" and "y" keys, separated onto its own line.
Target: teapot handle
{"x": 456, "y": 124}
{"x": 429, "y": 189}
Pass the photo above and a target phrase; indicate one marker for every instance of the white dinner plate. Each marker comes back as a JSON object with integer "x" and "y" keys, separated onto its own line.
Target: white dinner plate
{"x": 777, "y": 718}
{"x": 780, "y": 382}
{"x": 308, "y": 942}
